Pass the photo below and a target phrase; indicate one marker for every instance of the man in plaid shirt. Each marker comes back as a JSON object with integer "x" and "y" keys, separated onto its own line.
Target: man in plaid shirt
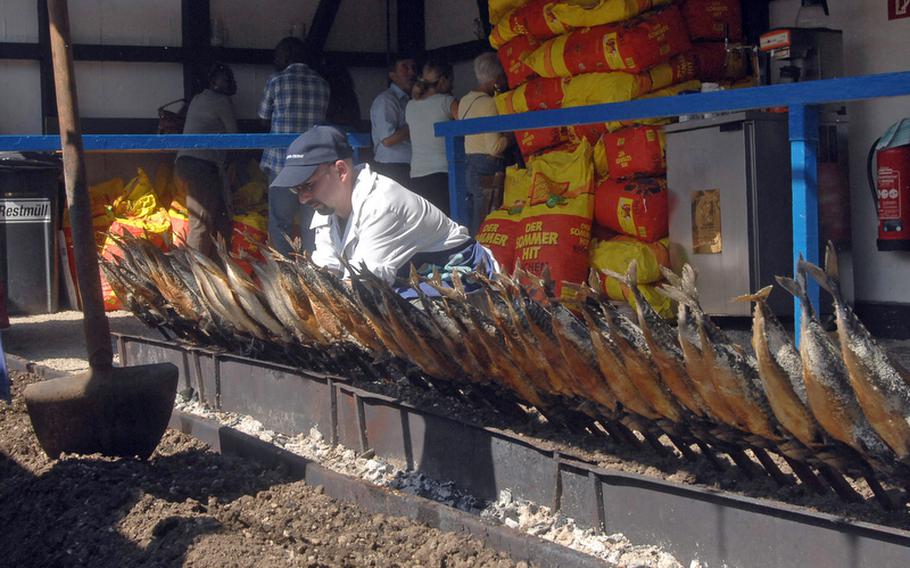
{"x": 295, "y": 99}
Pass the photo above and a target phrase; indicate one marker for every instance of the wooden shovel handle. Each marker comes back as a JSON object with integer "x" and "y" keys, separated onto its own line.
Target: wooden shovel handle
{"x": 95, "y": 324}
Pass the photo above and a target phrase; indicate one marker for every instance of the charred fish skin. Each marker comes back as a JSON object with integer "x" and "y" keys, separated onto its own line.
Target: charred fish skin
{"x": 698, "y": 366}
{"x": 247, "y": 295}
{"x": 216, "y": 283}
{"x": 283, "y": 303}
{"x": 636, "y": 359}
{"x": 828, "y": 389}
{"x": 881, "y": 389}
{"x": 447, "y": 331}
{"x": 609, "y": 359}
{"x": 780, "y": 370}
{"x": 734, "y": 369}
{"x": 734, "y": 374}
{"x": 661, "y": 341}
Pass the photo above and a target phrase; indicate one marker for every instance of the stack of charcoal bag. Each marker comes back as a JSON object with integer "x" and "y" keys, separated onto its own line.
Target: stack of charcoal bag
{"x": 596, "y": 194}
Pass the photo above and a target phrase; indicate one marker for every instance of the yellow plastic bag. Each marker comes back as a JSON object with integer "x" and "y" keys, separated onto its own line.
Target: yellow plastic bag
{"x": 535, "y": 19}
{"x": 561, "y": 174}
{"x": 546, "y": 93}
{"x": 631, "y": 47}
{"x": 139, "y": 199}
{"x": 104, "y": 194}
{"x": 618, "y": 253}
{"x": 501, "y": 8}
{"x": 600, "y": 88}
{"x": 599, "y": 12}
{"x": 250, "y": 196}
{"x": 555, "y": 229}
{"x": 517, "y": 189}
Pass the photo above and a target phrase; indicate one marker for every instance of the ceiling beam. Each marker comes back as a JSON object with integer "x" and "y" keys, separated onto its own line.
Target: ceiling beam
{"x": 322, "y": 23}
{"x": 411, "y": 27}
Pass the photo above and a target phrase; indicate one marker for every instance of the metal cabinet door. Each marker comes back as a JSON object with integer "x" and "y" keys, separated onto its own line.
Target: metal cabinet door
{"x": 712, "y": 158}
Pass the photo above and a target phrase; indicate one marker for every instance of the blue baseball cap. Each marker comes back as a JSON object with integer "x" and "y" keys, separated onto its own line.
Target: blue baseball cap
{"x": 318, "y": 145}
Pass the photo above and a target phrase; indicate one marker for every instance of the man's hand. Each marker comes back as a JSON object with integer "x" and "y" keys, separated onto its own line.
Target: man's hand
{"x": 403, "y": 134}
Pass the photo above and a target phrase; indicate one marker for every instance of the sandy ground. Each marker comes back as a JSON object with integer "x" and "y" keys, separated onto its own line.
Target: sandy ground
{"x": 57, "y": 341}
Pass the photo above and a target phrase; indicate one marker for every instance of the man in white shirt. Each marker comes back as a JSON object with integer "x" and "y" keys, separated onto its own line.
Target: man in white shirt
{"x": 372, "y": 220}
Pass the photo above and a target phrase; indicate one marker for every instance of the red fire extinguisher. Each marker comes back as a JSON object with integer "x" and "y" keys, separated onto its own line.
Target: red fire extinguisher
{"x": 888, "y": 168}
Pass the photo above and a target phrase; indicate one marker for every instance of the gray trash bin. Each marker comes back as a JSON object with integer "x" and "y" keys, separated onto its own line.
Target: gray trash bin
{"x": 29, "y": 222}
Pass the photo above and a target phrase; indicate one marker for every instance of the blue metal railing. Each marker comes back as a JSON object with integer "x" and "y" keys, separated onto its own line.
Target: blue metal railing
{"x": 801, "y": 98}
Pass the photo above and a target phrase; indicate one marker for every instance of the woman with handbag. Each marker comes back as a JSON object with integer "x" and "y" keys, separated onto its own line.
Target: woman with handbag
{"x": 201, "y": 172}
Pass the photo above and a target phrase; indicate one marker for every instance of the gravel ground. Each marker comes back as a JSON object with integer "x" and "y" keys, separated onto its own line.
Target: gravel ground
{"x": 525, "y": 516}
{"x": 57, "y": 340}
{"x": 189, "y": 506}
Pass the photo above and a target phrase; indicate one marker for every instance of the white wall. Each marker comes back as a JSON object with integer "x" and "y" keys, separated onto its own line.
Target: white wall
{"x": 449, "y": 22}
{"x": 368, "y": 82}
{"x": 20, "y": 81}
{"x": 20, "y": 104}
{"x": 872, "y": 44}
{"x": 18, "y": 21}
{"x": 259, "y": 24}
{"x": 118, "y": 89}
{"x": 116, "y": 22}
{"x": 113, "y": 89}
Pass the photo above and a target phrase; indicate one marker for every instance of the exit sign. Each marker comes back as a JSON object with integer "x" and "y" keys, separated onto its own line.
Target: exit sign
{"x": 898, "y": 9}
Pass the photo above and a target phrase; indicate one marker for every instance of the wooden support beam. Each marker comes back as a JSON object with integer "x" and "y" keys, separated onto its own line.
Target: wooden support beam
{"x": 195, "y": 31}
{"x": 11, "y": 50}
{"x": 411, "y": 27}
{"x": 322, "y": 23}
{"x": 130, "y": 53}
{"x": 264, "y": 57}
{"x": 48, "y": 90}
{"x": 242, "y": 55}
{"x": 483, "y": 8}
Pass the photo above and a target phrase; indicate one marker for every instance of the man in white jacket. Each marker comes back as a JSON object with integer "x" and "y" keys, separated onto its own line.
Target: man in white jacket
{"x": 371, "y": 220}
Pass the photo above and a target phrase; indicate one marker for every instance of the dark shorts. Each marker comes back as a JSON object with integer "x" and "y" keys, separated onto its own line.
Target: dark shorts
{"x": 467, "y": 257}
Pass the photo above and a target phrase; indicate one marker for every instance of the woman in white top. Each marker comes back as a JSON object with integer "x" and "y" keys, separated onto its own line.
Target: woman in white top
{"x": 435, "y": 103}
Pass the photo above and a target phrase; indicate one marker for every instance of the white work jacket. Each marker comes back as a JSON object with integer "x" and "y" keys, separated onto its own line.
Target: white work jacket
{"x": 387, "y": 227}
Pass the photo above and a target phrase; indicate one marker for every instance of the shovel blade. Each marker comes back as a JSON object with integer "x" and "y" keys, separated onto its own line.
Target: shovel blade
{"x": 122, "y": 412}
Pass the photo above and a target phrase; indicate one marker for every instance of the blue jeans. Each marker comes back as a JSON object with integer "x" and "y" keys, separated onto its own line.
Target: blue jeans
{"x": 284, "y": 210}
{"x": 478, "y": 165}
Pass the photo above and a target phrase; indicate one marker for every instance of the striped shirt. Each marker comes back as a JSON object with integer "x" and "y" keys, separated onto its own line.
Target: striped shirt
{"x": 295, "y": 100}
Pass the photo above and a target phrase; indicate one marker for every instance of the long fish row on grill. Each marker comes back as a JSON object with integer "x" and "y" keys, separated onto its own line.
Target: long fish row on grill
{"x": 834, "y": 402}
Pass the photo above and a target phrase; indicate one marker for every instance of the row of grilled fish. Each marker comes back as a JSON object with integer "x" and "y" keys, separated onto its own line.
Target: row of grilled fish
{"x": 834, "y": 403}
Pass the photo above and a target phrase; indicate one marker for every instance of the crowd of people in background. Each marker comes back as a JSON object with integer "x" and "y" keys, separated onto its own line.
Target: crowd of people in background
{"x": 304, "y": 92}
